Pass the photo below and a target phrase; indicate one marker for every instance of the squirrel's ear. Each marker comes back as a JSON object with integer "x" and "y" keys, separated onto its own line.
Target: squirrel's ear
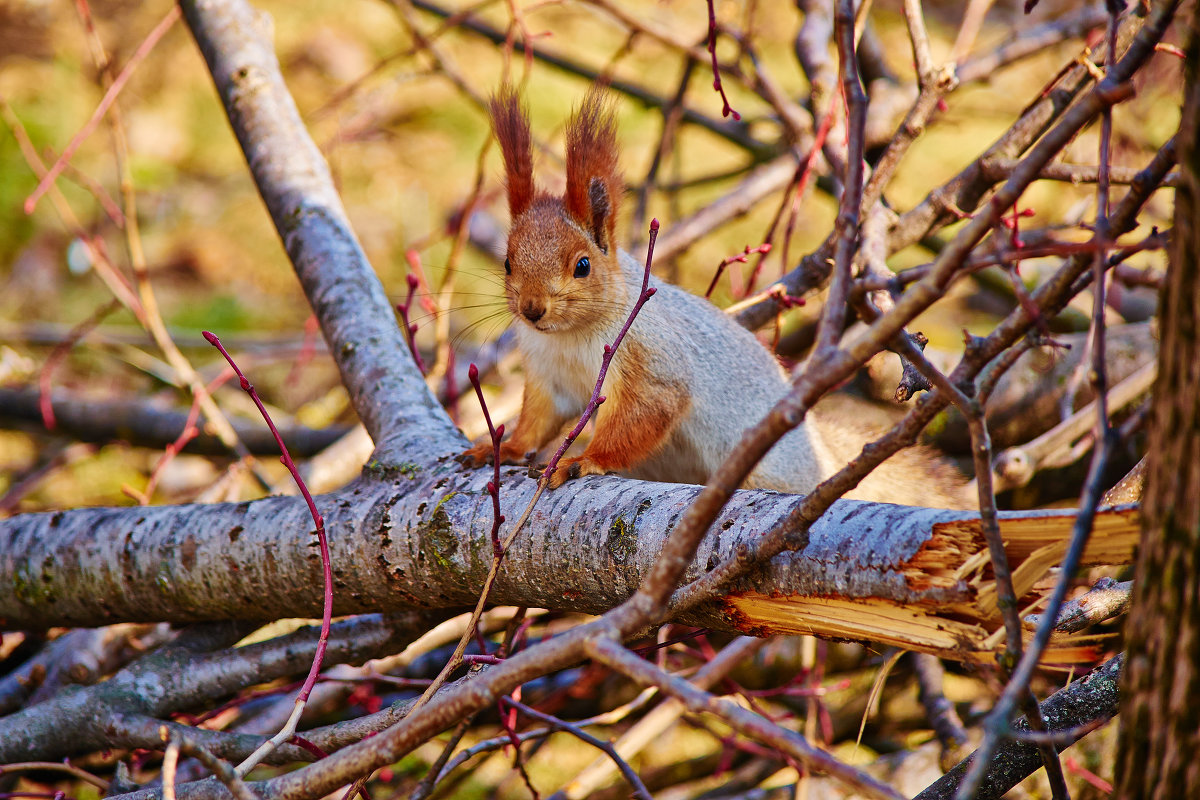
{"x": 510, "y": 121}
{"x": 593, "y": 179}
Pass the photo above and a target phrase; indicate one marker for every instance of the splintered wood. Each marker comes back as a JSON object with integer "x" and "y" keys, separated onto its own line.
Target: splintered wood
{"x": 953, "y": 607}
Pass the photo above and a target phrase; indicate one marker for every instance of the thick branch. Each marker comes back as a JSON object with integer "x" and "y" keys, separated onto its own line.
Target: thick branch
{"x": 1094, "y": 697}
{"x": 402, "y": 542}
{"x": 183, "y": 675}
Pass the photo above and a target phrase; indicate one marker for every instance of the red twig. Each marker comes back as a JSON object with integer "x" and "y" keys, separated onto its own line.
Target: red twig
{"x": 189, "y": 432}
{"x": 301, "y": 742}
{"x": 414, "y": 263}
{"x": 105, "y": 103}
{"x": 482, "y": 658}
{"x": 726, "y": 109}
{"x": 1073, "y": 766}
{"x": 308, "y": 348}
{"x": 783, "y": 299}
{"x": 493, "y": 487}
{"x": 806, "y": 171}
{"x": 740, "y": 258}
{"x": 59, "y": 353}
{"x": 1013, "y": 223}
{"x": 650, "y": 648}
{"x": 609, "y": 351}
{"x": 410, "y": 329}
{"x": 326, "y": 562}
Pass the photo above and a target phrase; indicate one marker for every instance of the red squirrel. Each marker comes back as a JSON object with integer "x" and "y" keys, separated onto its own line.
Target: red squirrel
{"x": 686, "y": 381}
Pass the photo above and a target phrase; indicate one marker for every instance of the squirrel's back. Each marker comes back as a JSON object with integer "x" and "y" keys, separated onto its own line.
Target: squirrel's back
{"x": 734, "y": 382}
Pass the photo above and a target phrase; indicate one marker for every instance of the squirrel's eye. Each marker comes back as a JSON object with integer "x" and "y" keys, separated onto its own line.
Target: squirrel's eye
{"x": 507, "y": 267}
{"x": 582, "y": 267}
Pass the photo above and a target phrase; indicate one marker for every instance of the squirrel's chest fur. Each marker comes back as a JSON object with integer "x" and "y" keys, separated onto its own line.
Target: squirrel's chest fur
{"x": 567, "y": 363}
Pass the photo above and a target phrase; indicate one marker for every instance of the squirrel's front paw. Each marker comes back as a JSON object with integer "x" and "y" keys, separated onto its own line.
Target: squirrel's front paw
{"x": 478, "y": 456}
{"x": 572, "y": 468}
{"x": 481, "y": 455}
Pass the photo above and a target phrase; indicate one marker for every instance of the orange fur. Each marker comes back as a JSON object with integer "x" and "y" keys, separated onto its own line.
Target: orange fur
{"x": 592, "y": 156}
{"x": 511, "y": 125}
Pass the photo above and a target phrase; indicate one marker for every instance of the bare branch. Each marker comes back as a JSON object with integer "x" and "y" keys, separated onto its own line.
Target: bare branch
{"x": 1093, "y": 697}
{"x": 356, "y": 317}
{"x": 1105, "y": 600}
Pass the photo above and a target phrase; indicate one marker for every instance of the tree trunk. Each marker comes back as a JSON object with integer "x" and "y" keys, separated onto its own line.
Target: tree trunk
{"x": 1160, "y": 719}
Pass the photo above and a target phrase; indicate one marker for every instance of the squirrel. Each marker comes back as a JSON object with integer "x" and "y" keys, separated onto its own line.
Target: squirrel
{"x": 687, "y": 380}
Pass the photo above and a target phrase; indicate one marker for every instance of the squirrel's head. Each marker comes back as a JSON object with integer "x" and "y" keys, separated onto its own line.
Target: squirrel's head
{"x": 561, "y": 269}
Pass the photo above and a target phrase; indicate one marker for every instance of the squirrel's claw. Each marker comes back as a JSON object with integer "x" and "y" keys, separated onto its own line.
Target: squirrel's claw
{"x": 575, "y": 468}
{"x": 481, "y": 455}
{"x": 478, "y": 456}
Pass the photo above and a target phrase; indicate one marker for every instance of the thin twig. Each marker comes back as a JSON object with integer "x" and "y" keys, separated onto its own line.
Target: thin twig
{"x": 46, "y": 373}
{"x": 496, "y": 433}
{"x": 997, "y": 722}
{"x": 181, "y": 744}
{"x": 846, "y": 227}
{"x": 726, "y": 109}
{"x": 289, "y": 729}
{"x": 106, "y": 102}
{"x": 1105, "y": 600}
{"x": 55, "y": 766}
{"x": 635, "y": 783}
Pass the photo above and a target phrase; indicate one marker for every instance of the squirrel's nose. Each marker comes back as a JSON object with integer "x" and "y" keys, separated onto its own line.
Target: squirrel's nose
{"x": 533, "y": 313}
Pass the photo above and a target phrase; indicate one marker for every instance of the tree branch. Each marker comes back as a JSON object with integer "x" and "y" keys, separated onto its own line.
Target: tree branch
{"x": 145, "y": 425}
{"x": 356, "y": 318}
{"x": 1093, "y": 697}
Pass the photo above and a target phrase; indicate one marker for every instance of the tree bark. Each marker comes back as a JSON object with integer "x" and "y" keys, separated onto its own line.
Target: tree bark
{"x": 419, "y": 537}
{"x": 1160, "y": 719}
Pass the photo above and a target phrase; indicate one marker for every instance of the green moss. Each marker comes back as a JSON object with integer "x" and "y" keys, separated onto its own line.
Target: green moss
{"x": 23, "y": 587}
{"x": 378, "y": 469}
{"x": 34, "y": 586}
{"x": 439, "y": 533}
{"x": 622, "y": 535}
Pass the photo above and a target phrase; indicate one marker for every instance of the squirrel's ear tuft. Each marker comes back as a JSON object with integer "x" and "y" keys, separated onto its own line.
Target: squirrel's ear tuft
{"x": 593, "y": 179}
{"x": 510, "y": 121}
